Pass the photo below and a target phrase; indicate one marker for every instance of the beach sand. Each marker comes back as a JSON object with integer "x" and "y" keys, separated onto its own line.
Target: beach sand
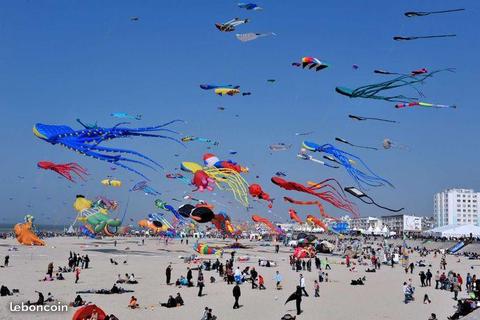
{"x": 380, "y": 298}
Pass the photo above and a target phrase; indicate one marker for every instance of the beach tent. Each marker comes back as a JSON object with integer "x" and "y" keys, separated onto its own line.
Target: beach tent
{"x": 455, "y": 231}
{"x": 86, "y": 311}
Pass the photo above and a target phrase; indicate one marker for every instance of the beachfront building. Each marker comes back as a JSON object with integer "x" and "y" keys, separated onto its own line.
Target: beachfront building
{"x": 400, "y": 223}
{"x": 456, "y": 207}
{"x": 365, "y": 223}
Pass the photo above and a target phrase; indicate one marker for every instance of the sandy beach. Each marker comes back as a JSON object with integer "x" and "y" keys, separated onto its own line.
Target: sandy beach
{"x": 380, "y": 298}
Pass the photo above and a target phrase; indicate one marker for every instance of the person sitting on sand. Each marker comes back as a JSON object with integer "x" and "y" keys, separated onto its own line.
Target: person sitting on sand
{"x": 120, "y": 279}
{"x": 77, "y": 302}
{"x": 179, "y": 300}
{"x": 40, "y": 301}
{"x": 131, "y": 279}
{"x": 115, "y": 289}
{"x": 133, "y": 304}
{"x": 4, "y": 291}
{"x": 171, "y": 303}
{"x": 49, "y": 297}
{"x": 59, "y": 276}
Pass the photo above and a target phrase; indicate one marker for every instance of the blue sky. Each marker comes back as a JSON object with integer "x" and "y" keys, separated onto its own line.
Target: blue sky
{"x": 62, "y": 60}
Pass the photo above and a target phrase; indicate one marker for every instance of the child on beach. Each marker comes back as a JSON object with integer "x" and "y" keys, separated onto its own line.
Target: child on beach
{"x": 316, "y": 286}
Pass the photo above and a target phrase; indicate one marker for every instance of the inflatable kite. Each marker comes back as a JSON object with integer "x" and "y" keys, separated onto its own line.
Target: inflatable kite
{"x": 222, "y": 223}
{"x": 422, "y": 104}
{"x": 408, "y": 38}
{"x": 230, "y": 25}
{"x": 245, "y": 37}
{"x": 316, "y": 222}
{"x": 123, "y": 115}
{"x": 294, "y": 216}
{"x": 256, "y": 191}
{"x": 202, "y": 214}
{"x": 164, "y": 206}
{"x": 145, "y": 188}
{"x": 192, "y": 138}
{"x": 360, "y": 118}
{"x": 353, "y": 145}
{"x": 311, "y": 63}
{"x": 226, "y": 91}
{"x": 249, "y": 6}
{"x": 368, "y": 178}
{"x": 214, "y": 86}
{"x": 373, "y": 91}
{"x": 154, "y": 226}
{"x": 224, "y": 178}
{"x": 25, "y": 234}
{"x": 87, "y": 141}
{"x": 111, "y": 182}
{"x": 268, "y": 223}
{"x": 279, "y": 147}
{"x": 64, "y": 169}
{"x": 411, "y": 14}
{"x": 204, "y": 248}
{"x": 95, "y": 215}
{"x": 323, "y": 190}
{"x": 211, "y": 160}
{"x": 366, "y": 199}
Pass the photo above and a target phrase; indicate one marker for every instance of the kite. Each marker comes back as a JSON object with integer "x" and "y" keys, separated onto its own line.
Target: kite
{"x": 324, "y": 190}
{"x": 211, "y": 160}
{"x": 95, "y": 215}
{"x": 154, "y": 226}
{"x": 123, "y": 115}
{"x": 418, "y": 71}
{"x": 246, "y": 93}
{"x": 372, "y": 91}
{"x": 202, "y": 214}
{"x": 362, "y": 178}
{"x": 388, "y": 144}
{"x": 311, "y": 63}
{"x": 408, "y": 38}
{"x": 268, "y": 223}
{"x": 143, "y": 186}
{"x": 245, "y": 37}
{"x": 134, "y": 18}
{"x": 64, "y": 169}
{"x": 249, "y": 6}
{"x": 280, "y": 174}
{"x": 87, "y": 142}
{"x": 279, "y": 146}
{"x": 213, "y": 86}
{"x": 224, "y": 178}
{"x": 164, "y": 206}
{"x": 423, "y": 104}
{"x": 87, "y": 125}
{"x": 226, "y": 91}
{"x": 305, "y": 252}
{"x": 355, "y": 67}
{"x": 192, "y": 138}
{"x": 230, "y": 25}
{"x": 255, "y": 190}
{"x": 303, "y": 133}
{"x": 304, "y": 156}
{"x": 203, "y": 248}
{"x": 411, "y": 14}
{"x": 111, "y": 182}
{"x": 178, "y": 176}
{"x": 360, "y": 118}
{"x": 271, "y": 80}
{"x": 366, "y": 199}
{"x": 294, "y": 216}
{"x": 353, "y": 145}
{"x": 223, "y": 223}
{"x": 316, "y": 222}
{"x": 25, "y": 234}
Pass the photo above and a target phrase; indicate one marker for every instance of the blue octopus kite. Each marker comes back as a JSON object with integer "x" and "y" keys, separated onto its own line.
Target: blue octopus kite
{"x": 87, "y": 141}
{"x": 344, "y": 158}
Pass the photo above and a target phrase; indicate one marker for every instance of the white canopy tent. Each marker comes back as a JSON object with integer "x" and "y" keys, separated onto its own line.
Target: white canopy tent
{"x": 455, "y": 231}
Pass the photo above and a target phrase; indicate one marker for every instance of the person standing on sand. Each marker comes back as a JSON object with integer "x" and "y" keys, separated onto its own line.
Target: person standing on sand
{"x": 429, "y": 278}
{"x": 77, "y": 274}
{"x": 437, "y": 279}
{"x": 302, "y": 285}
{"x": 200, "y": 283}
{"x": 5, "y": 263}
{"x": 50, "y": 269}
{"x": 236, "y": 294}
{"x": 168, "y": 273}
{"x": 189, "y": 277}
{"x": 298, "y": 300}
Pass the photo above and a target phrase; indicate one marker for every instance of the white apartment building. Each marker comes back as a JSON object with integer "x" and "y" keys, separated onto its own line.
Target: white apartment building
{"x": 456, "y": 206}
